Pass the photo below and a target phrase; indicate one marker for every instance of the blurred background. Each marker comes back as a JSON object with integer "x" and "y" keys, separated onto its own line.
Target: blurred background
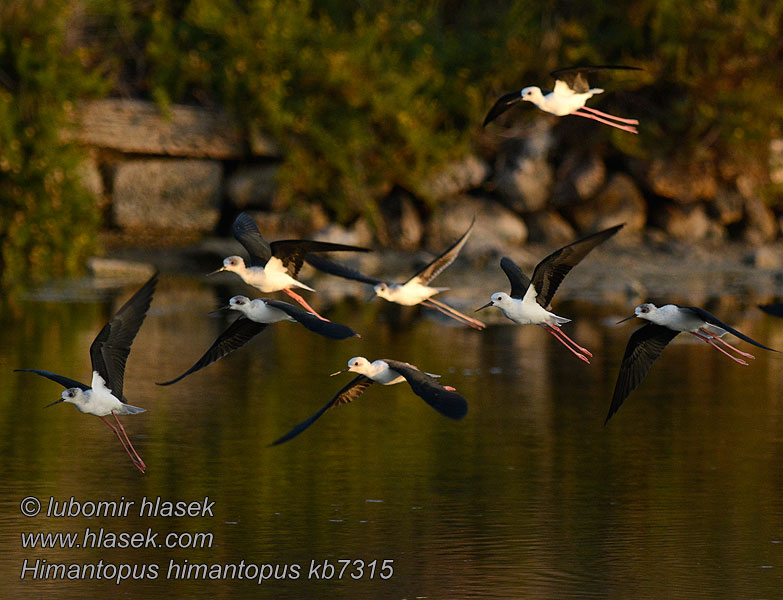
{"x": 156, "y": 122}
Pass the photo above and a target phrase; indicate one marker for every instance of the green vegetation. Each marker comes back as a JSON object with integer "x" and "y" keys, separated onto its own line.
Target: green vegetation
{"x": 363, "y": 95}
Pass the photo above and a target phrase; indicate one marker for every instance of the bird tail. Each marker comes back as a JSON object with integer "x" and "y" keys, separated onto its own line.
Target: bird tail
{"x": 129, "y": 409}
{"x": 299, "y": 284}
{"x": 595, "y": 91}
{"x": 714, "y": 329}
{"x": 561, "y": 320}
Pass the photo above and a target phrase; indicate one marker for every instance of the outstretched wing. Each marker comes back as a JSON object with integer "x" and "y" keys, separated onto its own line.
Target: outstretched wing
{"x": 236, "y": 335}
{"x": 111, "y": 347}
{"x": 550, "y": 272}
{"x": 433, "y": 269}
{"x": 519, "y": 281}
{"x": 713, "y": 320}
{"x": 329, "y": 329}
{"x": 331, "y": 267}
{"x": 449, "y": 404}
{"x": 575, "y": 77}
{"x": 292, "y": 253}
{"x": 644, "y": 347}
{"x": 66, "y": 382}
{"x": 246, "y": 233}
{"x": 776, "y": 310}
{"x": 349, "y": 393}
{"x": 502, "y": 105}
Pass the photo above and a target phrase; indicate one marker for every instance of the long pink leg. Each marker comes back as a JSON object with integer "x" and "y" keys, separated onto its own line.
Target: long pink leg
{"x": 608, "y": 116}
{"x": 475, "y": 323}
{"x": 714, "y": 345}
{"x": 117, "y": 433}
{"x": 628, "y": 128}
{"x": 577, "y": 346}
{"x": 554, "y": 331}
{"x": 127, "y": 439}
{"x": 717, "y": 338}
{"x": 303, "y": 302}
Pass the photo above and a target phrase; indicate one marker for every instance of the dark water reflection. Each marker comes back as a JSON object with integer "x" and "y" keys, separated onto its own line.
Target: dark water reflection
{"x": 681, "y": 496}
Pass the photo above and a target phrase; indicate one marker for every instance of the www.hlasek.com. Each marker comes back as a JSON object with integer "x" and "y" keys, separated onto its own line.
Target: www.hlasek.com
{"x": 100, "y": 537}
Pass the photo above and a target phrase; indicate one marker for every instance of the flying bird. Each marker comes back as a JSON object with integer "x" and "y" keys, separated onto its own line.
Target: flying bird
{"x": 254, "y": 318}
{"x": 415, "y": 290}
{"x": 274, "y": 266}
{"x": 568, "y": 98}
{"x": 665, "y": 322}
{"x": 108, "y": 354}
{"x": 528, "y": 303}
{"x": 444, "y": 399}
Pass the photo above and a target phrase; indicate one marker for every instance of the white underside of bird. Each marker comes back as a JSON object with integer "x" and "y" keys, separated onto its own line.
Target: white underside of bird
{"x": 98, "y": 400}
{"x": 379, "y": 370}
{"x": 526, "y": 311}
{"x": 562, "y": 101}
{"x": 259, "y": 311}
{"x": 673, "y": 317}
{"x": 408, "y": 294}
{"x": 272, "y": 277}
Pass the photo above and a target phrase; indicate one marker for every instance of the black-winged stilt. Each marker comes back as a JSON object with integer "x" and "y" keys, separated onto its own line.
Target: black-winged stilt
{"x": 255, "y": 316}
{"x": 444, "y": 399}
{"x": 665, "y": 322}
{"x": 568, "y": 98}
{"x": 414, "y": 291}
{"x": 108, "y": 354}
{"x": 274, "y": 265}
{"x": 528, "y": 303}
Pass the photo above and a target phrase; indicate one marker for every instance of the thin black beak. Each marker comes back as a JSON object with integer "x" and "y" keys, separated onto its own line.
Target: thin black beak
{"x": 217, "y": 271}
{"x": 219, "y": 309}
{"x": 340, "y": 371}
{"x": 487, "y": 305}
{"x": 55, "y": 402}
{"x": 626, "y": 319}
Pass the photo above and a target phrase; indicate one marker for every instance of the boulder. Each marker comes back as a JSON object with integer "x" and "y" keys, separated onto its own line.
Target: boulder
{"x": 252, "y": 187}
{"x": 727, "y": 207}
{"x": 457, "y": 177}
{"x": 90, "y": 176}
{"x": 298, "y": 222}
{"x": 400, "y": 226}
{"x": 682, "y": 183}
{"x": 686, "y": 223}
{"x": 525, "y": 186}
{"x": 578, "y": 178}
{"x": 550, "y": 228}
{"x": 496, "y": 229}
{"x": 620, "y": 201}
{"x": 760, "y": 223}
{"x": 776, "y": 161}
{"x": 174, "y": 194}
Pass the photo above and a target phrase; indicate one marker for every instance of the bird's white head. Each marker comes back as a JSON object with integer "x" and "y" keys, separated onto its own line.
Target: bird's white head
{"x": 531, "y": 94}
{"x": 643, "y": 311}
{"x": 240, "y": 303}
{"x": 71, "y": 395}
{"x": 234, "y": 264}
{"x": 382, "y": 290}
{"x": 358, "y": 364}
{"x": 499, "y": 299}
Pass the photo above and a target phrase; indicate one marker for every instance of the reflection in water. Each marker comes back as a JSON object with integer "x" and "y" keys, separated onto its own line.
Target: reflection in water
{"x": 528, "y": 496}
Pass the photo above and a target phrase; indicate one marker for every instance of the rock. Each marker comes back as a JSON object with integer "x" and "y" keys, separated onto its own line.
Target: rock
{"x": 727, "y": 207}
{"x": 620, "y": 201}
{"x": 760, "y": 223}
{"x": 90, "y": 176}
{"x": 578, "y": 178}
{"x": 401, "y": 226}
{"x": 167, "y": 194}
{"x": 685, "y": 184}
{"x": 107, "y": 268}
{"x": 765, "y": 257}
{"x": 550, "y": 228}
{"x": 252, "y": 187}
{"x": 299, "y": 222}
{"x": 776, "y": 161}
{"x": 496, "y": 228}
{"x": 357, "y": 235}
{"x": 526, "y": 185}
{"x": 685, "y": 223}
{"x": 455, "y": 178}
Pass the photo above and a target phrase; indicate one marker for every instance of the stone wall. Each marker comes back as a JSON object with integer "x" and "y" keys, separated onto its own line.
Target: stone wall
{"x": 189, "y": 169}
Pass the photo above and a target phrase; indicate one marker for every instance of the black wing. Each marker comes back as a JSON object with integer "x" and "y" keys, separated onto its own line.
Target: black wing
{"x": 433, "y": 269}
{"x": 449, "y": 404}
{"x": 66, "y": 382}
{"x": 246, "y": 233}
{"x": 549, "y": 273}
{"x": 502, "y": 105}
{"x": 644, "y": 346}
{"x": 519, "y": 281}
{"x": 327, "y": 265}
{"x": 293, "y": 252}
{"x": 713, "y": 320}
{"x": 236, "y": 335}
{"x": 574, "y": 77}
{"x": 349, "y": 393}
{"x": 111, "y": 347}
{"x": 329, "y": 329}
{"x": 776, "y": 310}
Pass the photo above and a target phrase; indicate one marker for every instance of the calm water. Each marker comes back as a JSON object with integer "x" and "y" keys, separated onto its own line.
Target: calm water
{"x": 681, "y": 496}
